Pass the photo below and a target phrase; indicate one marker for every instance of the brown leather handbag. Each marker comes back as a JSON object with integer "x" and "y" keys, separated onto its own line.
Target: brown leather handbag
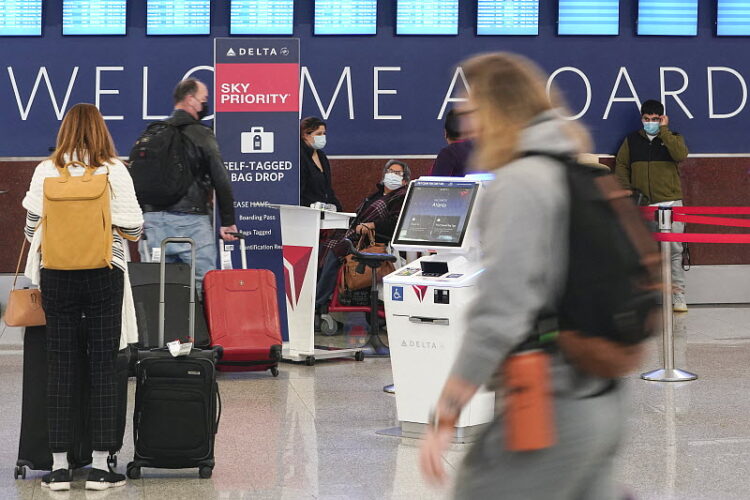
{"x": 351, "y": 279}
{"x": 24, "y": 305}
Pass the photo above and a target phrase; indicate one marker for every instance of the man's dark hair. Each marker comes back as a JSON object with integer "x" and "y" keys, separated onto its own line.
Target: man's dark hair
{"x": 185, "y": 88}
{"x": 452, "y": 125}
{"x": 652, "y": 107}
{"x": 310, "y": 124}
{"x": 407, "y": 170}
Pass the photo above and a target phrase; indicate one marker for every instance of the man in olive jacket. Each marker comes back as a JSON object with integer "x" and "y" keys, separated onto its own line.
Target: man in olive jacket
{"x": 648, "y": 162}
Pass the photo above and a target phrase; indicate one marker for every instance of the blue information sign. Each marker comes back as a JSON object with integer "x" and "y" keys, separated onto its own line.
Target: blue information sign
{"x": 178, "y": 17}
{"x": 733, "y": 18}
{"x": 262, "y": 17}
{"x": 94, "y": 17}
{"x": 508, "y": 17}
{"x": 589, "y": 17}
{"x": 346, "y": 17}
{"x": 257, "y": 127}
{"x": 668, "y": 17}
{"x": 21, "y": 18}
{"x": 427, "y": 17}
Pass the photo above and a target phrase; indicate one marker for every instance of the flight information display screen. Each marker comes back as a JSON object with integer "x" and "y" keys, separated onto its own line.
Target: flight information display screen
{"x": 262, "y": 17}
{"x": 427, "y": 17}
{"x": 508, "y": 17}
{"x": 733, "y": 18}
{"x": 436, "y": 214}
{"x": 94, "y": 17}
{"x": 668, "y": 17}
{"x": 178, "y": 17}
{"x": 589, "y": 17}
{"x": 346, "y": 17}
{"x": 20, "y": 17}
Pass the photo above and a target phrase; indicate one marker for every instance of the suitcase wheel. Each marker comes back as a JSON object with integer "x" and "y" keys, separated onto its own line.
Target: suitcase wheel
{"x": 20, "y": 471}
{"x": 328, "y": 325}
{"x": 134, "y": 472}
{"x": 359, "y": 356}
{"x": 275, "y": 371}
{"x": 310, "y": 360}
{"x": 205, "y": 471}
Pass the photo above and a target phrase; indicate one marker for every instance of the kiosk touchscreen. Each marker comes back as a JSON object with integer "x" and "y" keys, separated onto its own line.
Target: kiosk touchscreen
{"x": 426, "y": 301}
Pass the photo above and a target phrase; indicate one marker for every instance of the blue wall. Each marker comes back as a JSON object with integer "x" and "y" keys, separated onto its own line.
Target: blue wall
{"x": 426, "y": 72}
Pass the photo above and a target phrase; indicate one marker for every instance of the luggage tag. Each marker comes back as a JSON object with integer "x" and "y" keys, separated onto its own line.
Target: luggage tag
{"x": 226, "y": 254}
{"x": 177, "y": 348}
{"x": 156, "y": 255}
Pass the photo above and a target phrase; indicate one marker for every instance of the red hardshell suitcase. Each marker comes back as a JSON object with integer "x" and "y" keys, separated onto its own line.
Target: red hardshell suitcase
{"x": 243, "y": 318}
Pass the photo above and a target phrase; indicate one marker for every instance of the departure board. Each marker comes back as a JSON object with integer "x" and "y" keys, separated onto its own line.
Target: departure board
{"x": 94, "y": 17}
{"x": 427, "y": 17}
{"x": 20, "y": 17}
{"x": 733, "y": 18}
{"x": 346, "y": 17}
{"x": 262, "y": 17}
{"x": 668, "y": 17}
{"x": 589, "y": 17}
{"x": 508, "y": 17}
{"x": 178, "y": 17}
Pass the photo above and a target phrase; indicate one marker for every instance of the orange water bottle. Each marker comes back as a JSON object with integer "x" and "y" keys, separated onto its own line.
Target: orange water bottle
{"x": 529, "y": 409}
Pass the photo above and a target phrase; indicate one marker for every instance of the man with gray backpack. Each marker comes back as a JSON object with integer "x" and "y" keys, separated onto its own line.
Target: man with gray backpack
{"x": 175, "y": 166}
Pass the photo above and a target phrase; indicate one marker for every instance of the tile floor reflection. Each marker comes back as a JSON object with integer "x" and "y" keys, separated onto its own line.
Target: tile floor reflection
{"x": 311, "y": 432}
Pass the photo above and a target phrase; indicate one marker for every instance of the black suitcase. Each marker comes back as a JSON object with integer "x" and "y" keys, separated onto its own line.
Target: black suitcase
{"x": 144, "y": 281}
{"x": 33, "y": 444}
{"x": 177, "y": 402}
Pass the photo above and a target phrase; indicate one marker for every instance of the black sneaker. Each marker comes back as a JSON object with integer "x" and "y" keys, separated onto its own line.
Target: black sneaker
{"x": 101, "y": 480}
{"x": 58, "y": 480}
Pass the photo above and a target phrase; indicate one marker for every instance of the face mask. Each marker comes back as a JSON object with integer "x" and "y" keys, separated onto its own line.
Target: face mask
{"x": 392, "y": 181}
{"x": 319, "y": 142}
{"x": 651, "y": 128}
{"x": 204, "y": 112}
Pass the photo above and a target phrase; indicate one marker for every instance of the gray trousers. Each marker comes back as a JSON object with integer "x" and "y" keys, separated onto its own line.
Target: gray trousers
{"x": 678, "y": 273}
{"x": 578, "y": 467}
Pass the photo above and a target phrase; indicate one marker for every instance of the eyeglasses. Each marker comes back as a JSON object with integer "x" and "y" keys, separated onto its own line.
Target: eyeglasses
{"x": 397, "y": 172}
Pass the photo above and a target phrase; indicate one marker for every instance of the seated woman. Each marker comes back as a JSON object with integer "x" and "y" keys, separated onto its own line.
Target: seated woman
{"x": 378, "y": 213}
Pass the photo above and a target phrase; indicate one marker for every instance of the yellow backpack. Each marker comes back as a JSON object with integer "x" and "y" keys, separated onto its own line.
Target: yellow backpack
{"x": 77, "y": 220}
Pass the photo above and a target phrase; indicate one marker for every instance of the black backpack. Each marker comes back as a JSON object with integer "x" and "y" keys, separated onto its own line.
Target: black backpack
{"x": 161, "y": 176}
{"x": 611, "y": 296}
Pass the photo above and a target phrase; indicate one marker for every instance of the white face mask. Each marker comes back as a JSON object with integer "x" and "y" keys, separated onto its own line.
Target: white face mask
{"x": 392, "y": 181}
{"x": 319, "y": 141}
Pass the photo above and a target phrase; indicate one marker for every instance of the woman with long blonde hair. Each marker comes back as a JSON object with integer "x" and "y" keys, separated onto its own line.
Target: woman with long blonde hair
{"x": 524, "y": 227}
{"x": 95, "y": 289}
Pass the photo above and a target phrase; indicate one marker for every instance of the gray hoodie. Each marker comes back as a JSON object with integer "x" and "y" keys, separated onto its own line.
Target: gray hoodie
{"x": 524, "y": 229}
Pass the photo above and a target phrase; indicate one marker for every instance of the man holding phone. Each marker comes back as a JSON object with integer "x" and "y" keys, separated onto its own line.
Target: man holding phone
{"x": 647, "y": 163}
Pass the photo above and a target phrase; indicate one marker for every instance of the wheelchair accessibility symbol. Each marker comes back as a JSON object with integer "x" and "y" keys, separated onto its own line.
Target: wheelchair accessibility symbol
{"x": 397, "y": 293}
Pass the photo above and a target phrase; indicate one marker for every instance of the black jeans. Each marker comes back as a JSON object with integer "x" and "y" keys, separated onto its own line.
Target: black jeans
{"x": 326, "y": 280}
{"x": 67, "y": 296}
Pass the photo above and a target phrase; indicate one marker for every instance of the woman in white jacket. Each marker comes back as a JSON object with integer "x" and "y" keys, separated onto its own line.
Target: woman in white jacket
{"x": 102, "y": 295}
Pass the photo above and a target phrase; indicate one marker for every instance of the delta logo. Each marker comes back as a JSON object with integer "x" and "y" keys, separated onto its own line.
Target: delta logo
{"x": 296, "y": 262}
{"x": 421, "y": 291}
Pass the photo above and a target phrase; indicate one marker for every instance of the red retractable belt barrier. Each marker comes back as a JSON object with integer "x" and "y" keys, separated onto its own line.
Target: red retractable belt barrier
{"x": 683, "y": 214}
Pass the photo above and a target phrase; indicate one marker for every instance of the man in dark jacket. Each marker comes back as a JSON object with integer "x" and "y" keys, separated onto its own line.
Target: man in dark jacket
{"x": 648, "y": 162}
{"x": 453, "y": 159}
{"x": 191, "y": 216}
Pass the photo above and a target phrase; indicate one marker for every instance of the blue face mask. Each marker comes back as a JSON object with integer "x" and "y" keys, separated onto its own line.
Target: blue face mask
{"x": 651, "y": 128}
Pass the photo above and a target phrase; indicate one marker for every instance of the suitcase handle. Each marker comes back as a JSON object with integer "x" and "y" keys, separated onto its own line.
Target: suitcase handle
{"x": 162, "y": 286}
{"x": 218, "y": 416}
{"x": 243, "y": 249}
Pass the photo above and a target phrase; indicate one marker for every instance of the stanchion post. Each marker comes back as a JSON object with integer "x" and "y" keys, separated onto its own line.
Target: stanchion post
{"x": 669, "y": 373}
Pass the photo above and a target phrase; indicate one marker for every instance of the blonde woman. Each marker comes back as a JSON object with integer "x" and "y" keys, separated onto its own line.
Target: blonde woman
{"x": 102, "y": 295}
{"x": 524, "y": 224}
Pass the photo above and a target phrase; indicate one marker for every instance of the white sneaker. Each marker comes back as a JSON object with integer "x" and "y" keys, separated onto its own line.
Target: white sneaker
{"x": 678, "y": 303}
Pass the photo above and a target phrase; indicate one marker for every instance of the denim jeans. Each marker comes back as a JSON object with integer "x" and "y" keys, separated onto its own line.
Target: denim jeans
{"x": 161, "y": 225}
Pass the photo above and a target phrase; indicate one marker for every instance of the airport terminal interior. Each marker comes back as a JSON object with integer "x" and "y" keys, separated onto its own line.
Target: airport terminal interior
{"x": 312, "y": 432}
{"x": 326, "y": 118}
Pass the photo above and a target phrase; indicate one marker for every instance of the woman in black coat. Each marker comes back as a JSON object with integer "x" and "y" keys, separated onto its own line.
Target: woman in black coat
{"x": 315, "y": 171}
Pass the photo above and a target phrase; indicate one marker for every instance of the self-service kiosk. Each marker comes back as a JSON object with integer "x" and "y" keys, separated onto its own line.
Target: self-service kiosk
{"x": 426, "y": 301}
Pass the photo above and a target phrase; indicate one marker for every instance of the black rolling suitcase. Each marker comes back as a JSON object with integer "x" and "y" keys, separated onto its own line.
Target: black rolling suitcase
{"x": 177, "y": 403}
{"x": 33, "y": 444}
{"x": 144, "y": 281}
